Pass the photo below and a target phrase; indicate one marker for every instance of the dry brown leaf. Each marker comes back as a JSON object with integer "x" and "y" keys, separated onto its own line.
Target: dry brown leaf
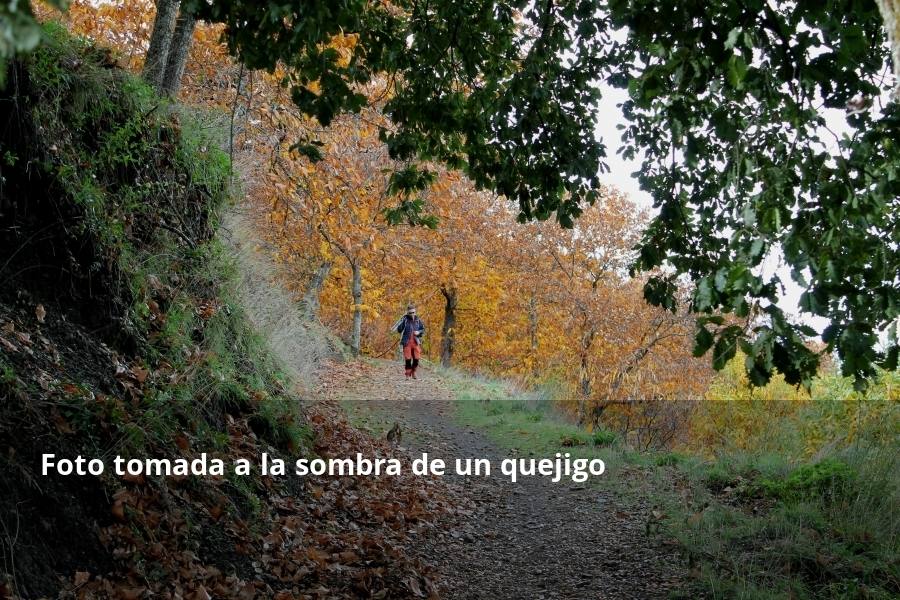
{"x": 7, "y": 345}
{"x": 40, "y": 313}
{"x": 124, "y": 593}
{"x": 248, "y": 592}
{"x": 118, "y": 510}
{"x": 137, "y": 479}
{"x": 201, "y": 594}
{"x": 154, "y": 283}
{"x": 183, "y": 442}
{"x": 60, "y": 422}
{"x": 413, "y": 584}
{"x": 318, "y": 556}
{"x": 140, "y": 374}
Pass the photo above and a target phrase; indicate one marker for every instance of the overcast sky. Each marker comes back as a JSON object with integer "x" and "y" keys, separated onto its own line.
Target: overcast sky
{"x": 620, "y": 176}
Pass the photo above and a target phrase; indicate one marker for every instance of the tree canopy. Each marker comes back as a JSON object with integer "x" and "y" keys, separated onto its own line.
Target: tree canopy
{"x": 728, "y": 104}
{"x": 504, "y": 89}
{"x": 727, "y": 110}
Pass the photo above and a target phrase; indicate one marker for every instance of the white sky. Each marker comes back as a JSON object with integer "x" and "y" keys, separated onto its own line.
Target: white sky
{"x": 620, "y": 176}
{"x": 620, "y": 169}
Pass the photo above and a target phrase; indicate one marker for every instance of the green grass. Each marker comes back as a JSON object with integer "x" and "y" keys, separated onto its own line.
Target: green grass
{"x": 518, "y": 423}
{"x": 526, "y": 422}
{"x": 768, "y": 524}
{"x": 762, "y": 526}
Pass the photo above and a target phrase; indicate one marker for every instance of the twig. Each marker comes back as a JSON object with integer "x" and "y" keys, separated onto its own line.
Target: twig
{"x": 11, "y": 543}
{"x": 237, "y": 95}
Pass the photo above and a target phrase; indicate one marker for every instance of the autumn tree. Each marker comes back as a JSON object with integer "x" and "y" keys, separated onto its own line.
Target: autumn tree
{"x": 339, "y": 203}
{"x": 602, "y": 322}
{"x": 460, "y": 254}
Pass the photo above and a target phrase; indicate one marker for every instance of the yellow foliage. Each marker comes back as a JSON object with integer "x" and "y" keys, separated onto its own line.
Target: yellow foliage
{"x": 736, "y": 415}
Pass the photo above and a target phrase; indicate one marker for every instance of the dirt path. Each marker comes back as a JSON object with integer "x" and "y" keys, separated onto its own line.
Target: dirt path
{"x": 529, "y": 540}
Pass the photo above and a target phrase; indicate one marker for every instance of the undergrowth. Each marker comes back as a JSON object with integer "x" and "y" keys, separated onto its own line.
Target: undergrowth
{"x": 807, "y": 511}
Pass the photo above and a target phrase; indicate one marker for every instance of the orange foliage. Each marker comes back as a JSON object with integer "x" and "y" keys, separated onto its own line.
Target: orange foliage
{"x": 532, "y": 301}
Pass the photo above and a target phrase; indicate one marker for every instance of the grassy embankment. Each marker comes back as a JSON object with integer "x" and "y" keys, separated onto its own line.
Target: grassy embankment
{"x": 122, "y": 330}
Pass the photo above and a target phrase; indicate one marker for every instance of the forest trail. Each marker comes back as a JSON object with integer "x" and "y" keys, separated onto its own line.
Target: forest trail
{"x": 530, "y": 540}
{"x": 533, "y": 540}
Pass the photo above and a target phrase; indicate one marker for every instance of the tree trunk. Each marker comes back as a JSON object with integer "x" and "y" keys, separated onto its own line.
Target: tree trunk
{"x": 584, "y": 376}
{"x": 179, "y": 48}
{"x": 160, "y": 41}
{"x": 448, "y": 331}
{"x": 890, "y": 11}
{"x": 532, "y": 332}
{"x": 356, "y": 292}
{"x": 314, "y": 291}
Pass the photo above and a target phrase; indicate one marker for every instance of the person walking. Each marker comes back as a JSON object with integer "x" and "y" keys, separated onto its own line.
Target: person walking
{"x": 411, "y": 330}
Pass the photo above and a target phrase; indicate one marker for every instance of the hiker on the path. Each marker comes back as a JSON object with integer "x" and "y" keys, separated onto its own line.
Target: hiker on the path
{"x": 411, "y": 330}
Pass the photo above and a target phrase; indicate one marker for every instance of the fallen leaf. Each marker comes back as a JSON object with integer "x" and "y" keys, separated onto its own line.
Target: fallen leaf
{"x": 7, "y": 345}
{"x": 317, "y": 556}
{"x": 413, "y": 586}
{"x": 60, "y": 422}
{"x": 154, "y": 283}
{"x": 183, "y": 443}
{"x": 40, "y": 313}
{"x": 130, "y": 593}
{"x": 248, "y": 592}
{"x": 131, "y": 478}
{"x": 118, "y": 510}
{"x": 202, "y": 594}
{"x": 140, "y": 374}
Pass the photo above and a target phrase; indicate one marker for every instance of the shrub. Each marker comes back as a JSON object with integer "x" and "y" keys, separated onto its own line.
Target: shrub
{"x": 603, "y": 437}
{"x": 823, "y": 479}
{"x": 669, "y": 459}
{"x": 718, "y": 478}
